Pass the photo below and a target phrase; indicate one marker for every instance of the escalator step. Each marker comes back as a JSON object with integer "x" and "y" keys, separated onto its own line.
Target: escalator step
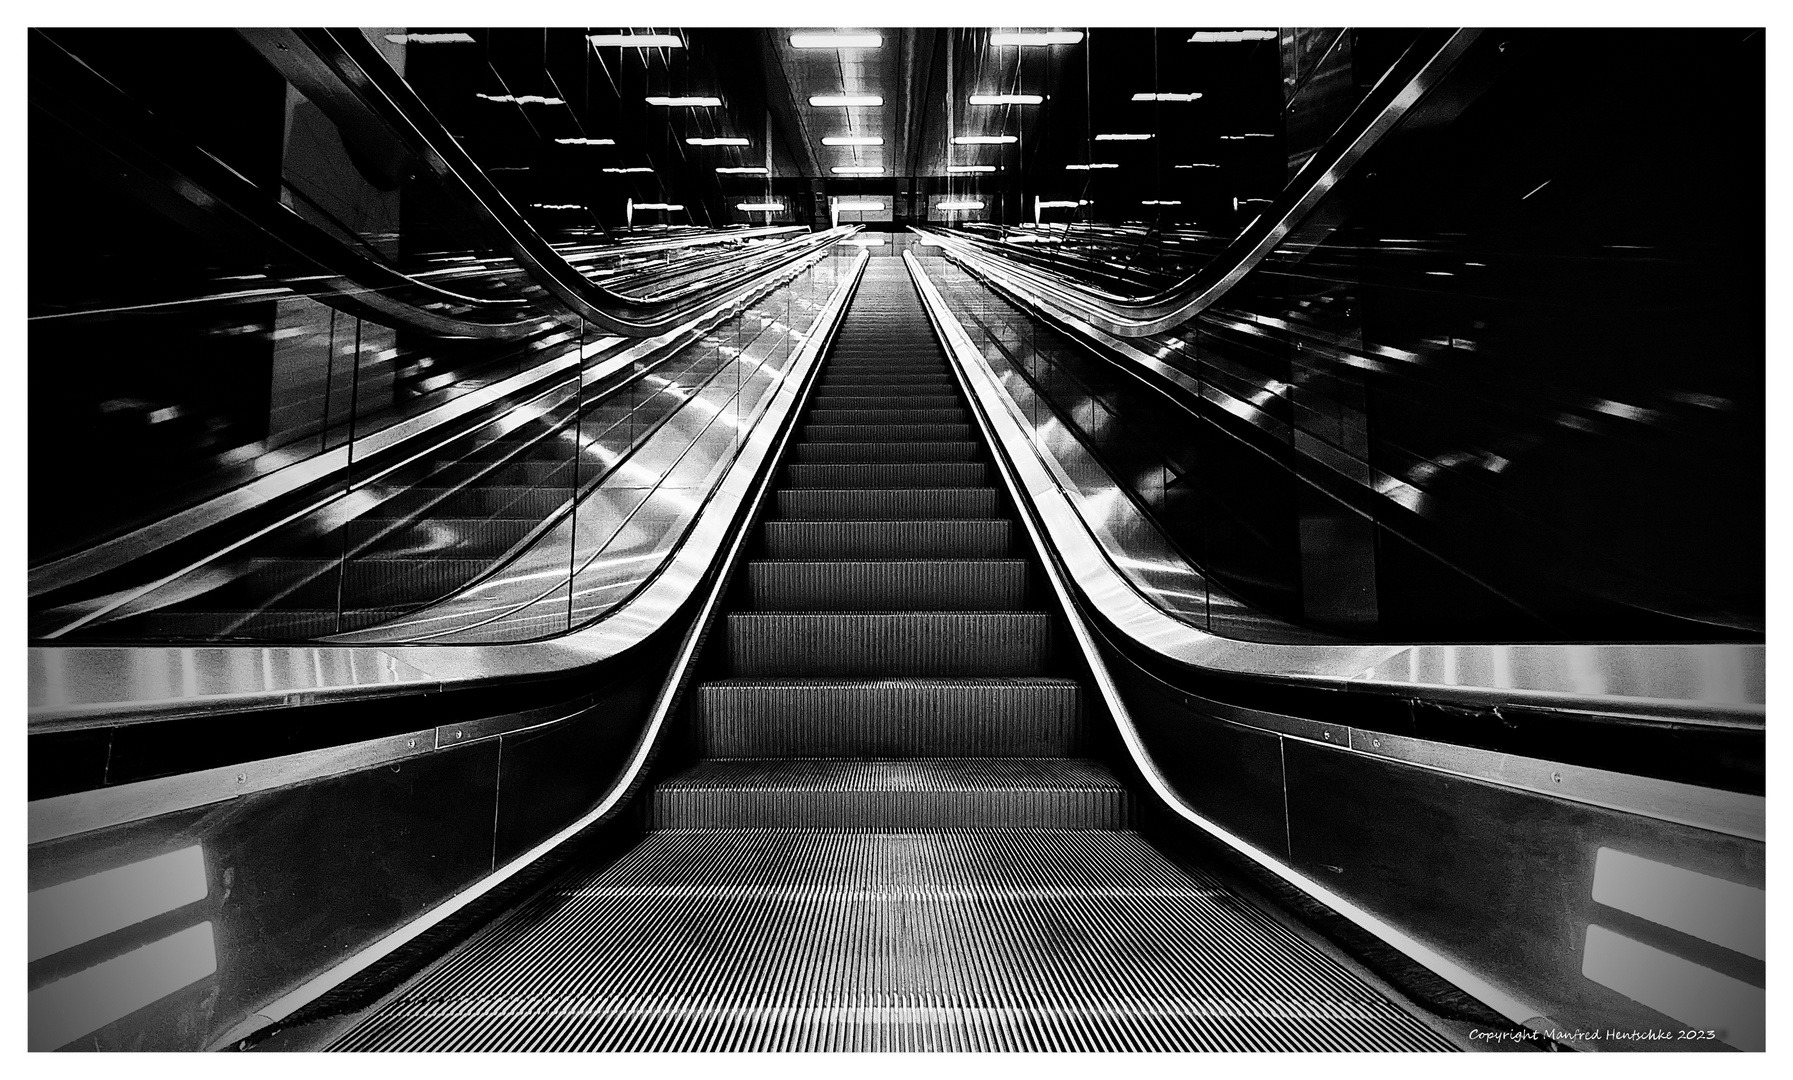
{"x": 889, "y": 585}
{"x": 823, "y": 504}
{"x": 885, "y": 644}
{"x": 920, "y": 793}
{"x": 888, "y": 718}
{"x": 891, "y": 474}
{"x": 968, "y": 538}
{"x": 817, "y": 432}
{"x": 818, "y": 417}
{"x": 858, "y": 453}
{"x": 843, "y": 399}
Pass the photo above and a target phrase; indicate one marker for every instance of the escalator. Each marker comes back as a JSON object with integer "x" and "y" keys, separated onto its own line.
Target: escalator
{"x": 893, "y": 831}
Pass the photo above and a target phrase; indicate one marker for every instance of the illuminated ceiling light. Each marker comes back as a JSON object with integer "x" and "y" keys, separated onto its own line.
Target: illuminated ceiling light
{"x": 977, "y": 140}
{"x": 1052, "y": 37}
{"x": 859, "y": 204}
{"x": 1166, "y": 97}
{"x": 1197, "y": 165}
{"x": 853, "y": 140}
{"x": 1250, "y": 135}
{"x": 1161, "y": 202}
{"x": 1122, "y": 137}
{"x": 1094, "y": 165}
{"x": 586, "y": 142}
{"x": 968, "y": 204}
{"x": 971, "y": 168}
{"x": 1062, "y": 204}
{"x": 745, "y": 170}
{"x": 836, "y": 41}
{"x": 629, "y": 169}
{"x": 659, "y": 206}
{"x": 556, "y": 206}
{"x": 859, "y": 170}
{"x": 638, "y": 41}
{"x": 757, "y": 206}
{"x": 694, "y": 101}
{"x": 1006, "y": 99}
{"x": 521, "y": 99}
{"x": 430, "y": 39}
{"x": 729, "y": 140}
{"x": 846, "y": 101}
{"x": 1232, "y": 35}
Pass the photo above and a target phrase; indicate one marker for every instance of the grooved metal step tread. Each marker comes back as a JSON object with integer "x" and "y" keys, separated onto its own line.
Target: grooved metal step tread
{"x": 968, "y": 538}
{"x": 913, "y": 793}
{"x": 890, "y": 474}
{"x": 857, "y": 453}
{"x": 838, "y": 940}
{"x": 824, "y": 504}
{"x": 819, "y": 432}
{"x": 883, "y": 644}
{"x": 841, "y": 399}
{"x": 916, "y": 717}
{"x": 856, "y": 417}
{"x": 888, "y": 585}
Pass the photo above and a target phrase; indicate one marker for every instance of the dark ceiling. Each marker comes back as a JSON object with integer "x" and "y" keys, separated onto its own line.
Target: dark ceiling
{"x": 516, "y": 95}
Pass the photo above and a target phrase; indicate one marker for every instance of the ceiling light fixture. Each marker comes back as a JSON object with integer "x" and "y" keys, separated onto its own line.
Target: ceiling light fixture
{"x": 629, "y": 169}
{"x": 836, "y": 41}
{"x": 969, "y": 204}
{"x": 1166, "y": 97}
{"x": 859, "y": 170}
{"x": 637, "y": 41}
{"x": 1210, "y": 36}
{"x": 1197, "y": 165}
{"x": 430, "y": 39}
{"x": 659, "y": 206}
{"x": 1062, "y": 204}
{"x": 1122, "y": 137}
{"x": 1249, "y": 135}
{"x": 853, "y": 140}
{"x": 979, "y": 140}
{"x": 1052, "y": 37}
{"x": 846, "y": 101}
{"x": 1093, "y": 165}
{"x": 695, "y": 101}
{"x": 730, "y": 140}
{"x": 757, "y": 206}
{"x": 556, "y": 206}
{"x": 746, "y": 170}
{"x": 1161, "y": 202}
{"x": 1006, "y": 99}
{"x": 586, "y": 142}
{"x": 521, "y": 99}
{"x": 971, "y": 168}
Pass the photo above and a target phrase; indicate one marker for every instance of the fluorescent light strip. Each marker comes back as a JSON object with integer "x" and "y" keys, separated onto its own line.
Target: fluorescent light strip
{"x": 858, "y": 170}
{"x": 859, "y": 204}
{"x": 1122, "y": 137}
{"x": 1198, "y": 165}
{"x": 1210, "y": 36}
{"x": 970, "y": 168}
{"x": 627, "y": 169}
{"x": 1006, "y": 99}
{"x": 521, "y": 99}
{"x": 694, "y": 101}
{"x": 1161, "y": 202}
{"x": 63, "y": 916}
{"x": 759, "y": 206}
{"x": 637, "y": 41}
{"x": 729, "y": 140}
{"x": 1094, "y": 165}
{"x": 430, "y": 39}
{"x": 1250, "y": 135}
{"x": 659, "y": 206}
{"x": 853, "y": 140}
{"x": 1062, "y": 204}
{"x": 980, "y": 140}
{"x": 1052, "y": 37}
{"x": 836, "y": 41}
{"x": 846, "y": 101}
{"x": 556, "y": 206}
{"x": 1166, "y": 97}
{"x": 744, "y": 170}
{"x": 962, "y": 205}
{"x": 586, "y": 142}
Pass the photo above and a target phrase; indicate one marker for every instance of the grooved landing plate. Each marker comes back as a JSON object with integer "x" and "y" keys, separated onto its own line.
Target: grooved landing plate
{"x": 988, "y": 940}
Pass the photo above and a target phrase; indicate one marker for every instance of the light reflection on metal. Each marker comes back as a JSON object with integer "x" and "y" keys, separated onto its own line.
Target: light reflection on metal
{"x": 1038, "y": 37}
{"x": 637, "y": 41}
{"x": 520, "y": 99}
{"x": 1218, "y": 36}
{"x": 430, "y": 39}
{"x": 580, "y": 141}
{"x": 693, "y": 101}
